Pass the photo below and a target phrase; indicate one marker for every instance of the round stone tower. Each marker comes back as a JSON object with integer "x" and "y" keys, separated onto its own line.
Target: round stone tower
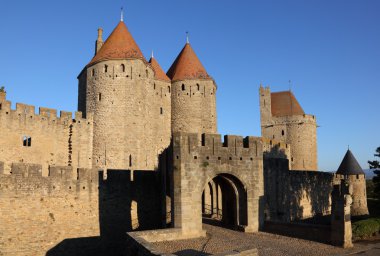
{"x": 351, "y": 171}
{"x": 130, "y": 102}
{"x": 283, "y": 119}
{"x": 193, "y": 94}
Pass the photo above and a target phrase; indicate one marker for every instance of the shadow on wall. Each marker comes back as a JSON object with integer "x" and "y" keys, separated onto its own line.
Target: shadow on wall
{"x": 292, "y": 195}
{"x": 124, "y": 205}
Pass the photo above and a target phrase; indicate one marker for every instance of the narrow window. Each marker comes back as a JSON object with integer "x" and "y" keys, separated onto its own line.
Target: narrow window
{"x": 100, "y": 97}
{"x": 357, "y": 176}
{"x": 147, "y": 73}
{"x": 183, "y": 87}
{"x": 161, "y": 110}
{"x": 198, "y": 87}
{"x": 93, "y": 72}
{"x": 122, "y": 66}
{"x": 154, "y": 86}
{"x": 27, "y": 141}
{"x": 282, "y": 132}
{"x": 0, "y": 105}
{"x": 130, "y": 160}
{"x": 105, "y": 68}
{"x": 168, "y": 90}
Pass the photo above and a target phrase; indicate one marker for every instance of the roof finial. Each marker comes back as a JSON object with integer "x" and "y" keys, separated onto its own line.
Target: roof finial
{"x": 122, "y": 14}
{"x": 152, "y": 56}
{"x": 187, "y": 37}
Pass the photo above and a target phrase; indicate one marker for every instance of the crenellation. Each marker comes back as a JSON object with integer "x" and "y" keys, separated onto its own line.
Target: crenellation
{"x": 25, "y": 176}
{"x": 48, "y": 112}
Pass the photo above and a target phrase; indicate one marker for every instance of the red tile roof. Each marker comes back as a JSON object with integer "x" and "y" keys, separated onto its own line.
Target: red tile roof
{"x": 285, "y": 104}
{"x": 159, "y": 73}
{"x": 119, "y": 45}
{"x": 187, "y": 66}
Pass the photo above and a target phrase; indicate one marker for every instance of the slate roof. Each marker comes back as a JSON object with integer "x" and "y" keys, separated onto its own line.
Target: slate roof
{"x": 285, "y": 104}
{"x": 349, "y": 165}
{"x": 119, "y": 45}
{"x": 187, "y": 66}
{"x": 159, "y": 73}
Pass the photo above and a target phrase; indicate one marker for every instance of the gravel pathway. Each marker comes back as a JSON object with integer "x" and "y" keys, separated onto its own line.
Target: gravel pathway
{"x": 221, "y": 240}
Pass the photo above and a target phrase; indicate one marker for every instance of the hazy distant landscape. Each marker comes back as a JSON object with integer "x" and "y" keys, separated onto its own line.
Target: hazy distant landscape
{"x": 368, "y": 173}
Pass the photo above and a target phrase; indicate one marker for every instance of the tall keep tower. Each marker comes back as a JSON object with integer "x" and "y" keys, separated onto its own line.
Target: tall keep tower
{"x": 283, "y": 119}
{"x": 130, "y": 100}
{"x": 193, "y": 94}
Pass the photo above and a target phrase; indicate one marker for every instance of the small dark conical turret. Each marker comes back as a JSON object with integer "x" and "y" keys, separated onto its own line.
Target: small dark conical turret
{"x": 351, "y": 172}
{"x": 349, "y": 165}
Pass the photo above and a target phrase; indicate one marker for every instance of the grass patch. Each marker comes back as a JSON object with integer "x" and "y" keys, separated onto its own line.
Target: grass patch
{"x": 365, "y": 228}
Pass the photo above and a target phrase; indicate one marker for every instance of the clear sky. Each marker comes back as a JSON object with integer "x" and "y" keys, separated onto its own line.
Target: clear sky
{"x": 329, "y": 49}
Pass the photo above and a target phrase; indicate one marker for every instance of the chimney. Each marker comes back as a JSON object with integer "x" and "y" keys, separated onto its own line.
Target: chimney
{"x": 99, "y": 41}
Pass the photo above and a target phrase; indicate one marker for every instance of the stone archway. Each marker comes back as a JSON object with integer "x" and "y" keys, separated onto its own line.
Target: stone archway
{"x": 224, "y": 202}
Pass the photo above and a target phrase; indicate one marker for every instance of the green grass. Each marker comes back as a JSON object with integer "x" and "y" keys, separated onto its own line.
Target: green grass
{"x": 370, "y": 225}
{"x": 365, "y": 228}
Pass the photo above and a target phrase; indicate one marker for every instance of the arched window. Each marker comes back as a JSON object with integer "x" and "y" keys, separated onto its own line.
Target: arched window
{"x": 198, "y": 87}
{"x": 27, "y": 141}
{"x": 183, "y": 87}
{"x": 122, "y": 67}
{"x": 92, "y": 72}
{"x": 105, "y": 68}
{"x": 169, "y": 89}
{"x": 282, "y": 132}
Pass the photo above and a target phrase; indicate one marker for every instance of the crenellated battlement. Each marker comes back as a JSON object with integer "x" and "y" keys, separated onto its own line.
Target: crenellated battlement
{"x": 26, "y": 178}
{"x": 27, "y": 112}
{"x": 233, "y": 150}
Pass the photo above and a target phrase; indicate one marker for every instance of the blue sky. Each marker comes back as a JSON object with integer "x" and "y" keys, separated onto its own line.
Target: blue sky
{"x": 330, "y": 50}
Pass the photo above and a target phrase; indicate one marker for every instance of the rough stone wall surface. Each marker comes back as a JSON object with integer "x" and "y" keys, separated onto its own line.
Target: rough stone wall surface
{"x": 36, "y": 212}
{"x": 359, "y": 193}
{"x": 300, "y": 131}
{"x": 54, "y": 140}
{"x": 132, "y": 113}
{"x": 294, "y": 195}
{"x": 198, "y": 162}
{"x": 276, "y": 149}
{"x": 194, "y": 106}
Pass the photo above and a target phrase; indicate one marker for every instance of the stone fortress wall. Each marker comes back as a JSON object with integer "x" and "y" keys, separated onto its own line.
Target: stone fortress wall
{"x": 132, "y": 113}
{"x": 292, "y": 195}
{"x": 300, "y": 131}
{"x": 38, "y": 212}
{"x": 194, "y": 106}
{"x": 44, "y": 138}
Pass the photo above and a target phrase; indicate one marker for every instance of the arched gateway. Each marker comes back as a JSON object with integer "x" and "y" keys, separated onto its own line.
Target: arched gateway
{"x": 224, "y": 199}
{"x": 205, "y": 170}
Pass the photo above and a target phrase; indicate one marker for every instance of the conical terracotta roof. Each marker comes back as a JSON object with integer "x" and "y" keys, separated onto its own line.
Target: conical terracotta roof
{"x": 187, "y": 66}
{"x": 159, "y": 73}
{"x": 119, "y": 45}
{"x": 285, "y": 104}
{"x": 349, "y": 165}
